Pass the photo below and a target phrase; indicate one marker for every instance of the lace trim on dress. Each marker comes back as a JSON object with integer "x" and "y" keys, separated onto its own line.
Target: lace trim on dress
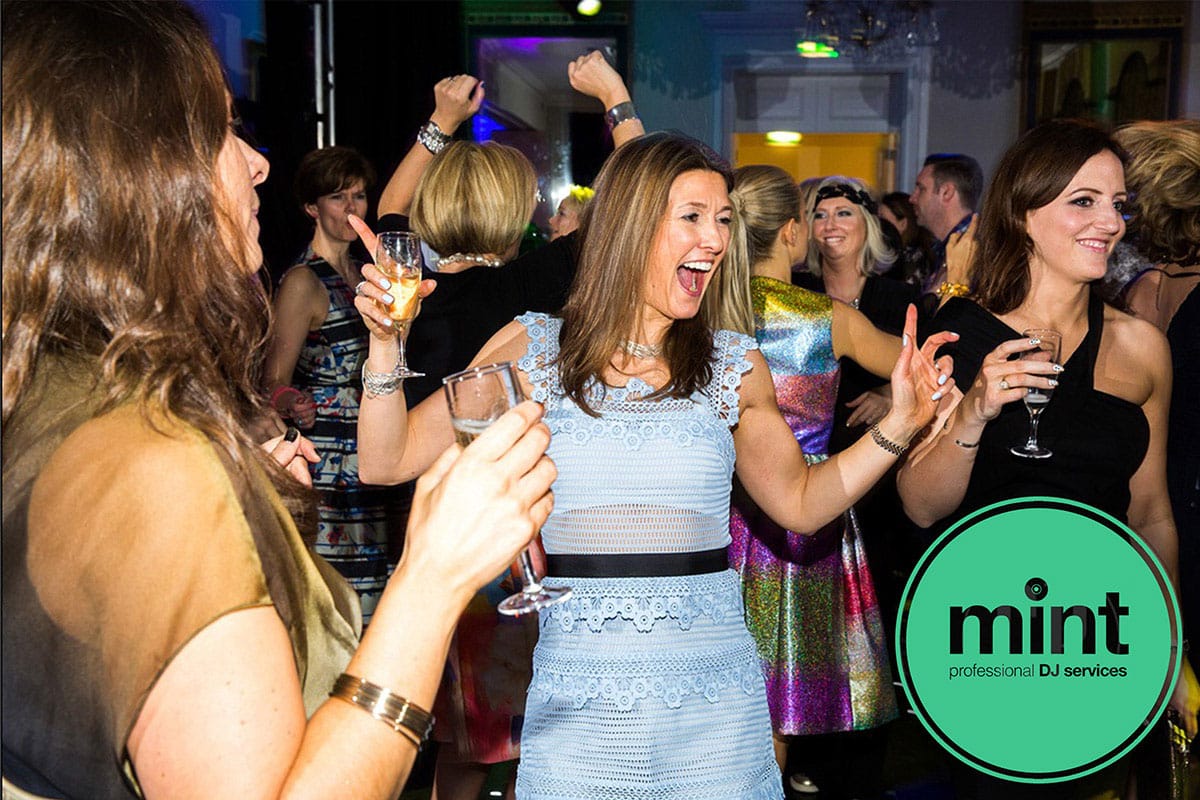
{"x": 674, "y": 680}
{"x": 644, "y": 610}
{"x": 729, "y": 355}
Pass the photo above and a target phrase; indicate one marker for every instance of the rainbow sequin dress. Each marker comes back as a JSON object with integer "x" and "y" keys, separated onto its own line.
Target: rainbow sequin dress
{"x": 810, "y": 601}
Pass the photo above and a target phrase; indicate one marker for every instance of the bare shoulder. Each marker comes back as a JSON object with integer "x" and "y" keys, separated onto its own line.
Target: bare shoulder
{"x": 1134, "y": 361}
{"x": 1135, "y": 338}
{"x": 507, "y": 344}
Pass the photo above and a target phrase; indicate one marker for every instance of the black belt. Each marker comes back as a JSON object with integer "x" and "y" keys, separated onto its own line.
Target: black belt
{"x": 637, "y": 565}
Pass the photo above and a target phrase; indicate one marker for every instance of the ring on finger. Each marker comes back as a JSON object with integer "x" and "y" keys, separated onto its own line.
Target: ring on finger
{"x": 1004, "y": 384}
{"x": 358, "y": 288}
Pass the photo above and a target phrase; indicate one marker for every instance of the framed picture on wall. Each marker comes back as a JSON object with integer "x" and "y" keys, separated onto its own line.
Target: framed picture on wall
{"x": 1103, "y": 61}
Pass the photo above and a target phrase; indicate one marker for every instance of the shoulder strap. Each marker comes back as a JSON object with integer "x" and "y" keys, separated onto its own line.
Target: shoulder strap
{"x": 729, "y": 365}
{"x": 540, "y": 355}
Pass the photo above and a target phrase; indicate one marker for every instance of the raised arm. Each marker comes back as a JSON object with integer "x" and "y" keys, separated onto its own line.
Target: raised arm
{"x": 594, "y": 76}
{"x": 933, "y": 482}
{"x": 802, "y": 498}
{"x": 456, "y": 99}
{"x": 858, "y": 340}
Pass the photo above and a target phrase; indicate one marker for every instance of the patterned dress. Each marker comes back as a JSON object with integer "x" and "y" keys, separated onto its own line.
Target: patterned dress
{"x": 353, "y": 531}
{"x": 643, "y": 687}
{"x": 810, "y": 600}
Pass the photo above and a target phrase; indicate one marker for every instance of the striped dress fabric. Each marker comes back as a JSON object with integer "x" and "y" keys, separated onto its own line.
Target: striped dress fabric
{"x": 352, "y": 533}
{"x": 643, "y": 687}
{"x": 810, "y": 600}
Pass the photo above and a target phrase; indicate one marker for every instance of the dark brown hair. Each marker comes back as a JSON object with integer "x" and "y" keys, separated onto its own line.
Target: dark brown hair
{"x": 331, "y": 169}
{"x": 617, "y": 234}
{"x": 1032, "y": 173}
{"x": 117, "y": 248}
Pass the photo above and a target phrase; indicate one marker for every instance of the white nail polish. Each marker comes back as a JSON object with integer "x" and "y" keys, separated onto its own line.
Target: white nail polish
{"x": 1035, "y": 342}
{"x": 385, "y": 284}
{"x": 387, "y": 298}
{"x": 942, "y": 379}
{"x": 904, "y": 340}
{"x": 936, "y": 396}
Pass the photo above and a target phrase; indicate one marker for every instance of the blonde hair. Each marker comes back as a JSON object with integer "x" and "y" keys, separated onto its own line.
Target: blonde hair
{"x": 617, "y": 236}
{"x": 765, "y": 199}
{"x": 1163, "y": 177}
{"x": 876, "y": 256}
{"x": 474, "y": 198}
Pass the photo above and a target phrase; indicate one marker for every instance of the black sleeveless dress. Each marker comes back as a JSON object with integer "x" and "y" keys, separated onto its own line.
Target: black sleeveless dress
{"x": 1098, "y": 439}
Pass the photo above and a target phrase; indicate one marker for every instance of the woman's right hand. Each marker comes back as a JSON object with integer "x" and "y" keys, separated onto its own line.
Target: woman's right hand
{"x": 455, "y": 100}
{"x": 476, "y": 507}
{"x": 371, "y": 296}
{"x": 1001, "y": 381}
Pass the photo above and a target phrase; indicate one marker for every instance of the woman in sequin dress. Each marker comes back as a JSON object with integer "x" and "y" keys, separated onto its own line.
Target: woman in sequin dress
{"x": 810, "y": 600}
{"x": 647, "y": 683}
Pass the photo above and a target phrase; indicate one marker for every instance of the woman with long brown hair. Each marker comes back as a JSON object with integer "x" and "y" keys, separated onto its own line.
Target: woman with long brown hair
{"x": 647, "y": 681}
{"x": 1051, "y": 217}
{"x": 166, "y": 631}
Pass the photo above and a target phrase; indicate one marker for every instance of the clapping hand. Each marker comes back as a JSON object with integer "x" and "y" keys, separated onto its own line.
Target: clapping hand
{"x": 920, "y": 380}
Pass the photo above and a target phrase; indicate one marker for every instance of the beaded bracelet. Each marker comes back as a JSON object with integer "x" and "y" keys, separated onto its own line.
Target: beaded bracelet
{"x": 948, "y": 289}
{"x": 895, "y": 448}
{"x": 404, "y": 717}
{"x": 433, "y": 138}
{"x": 379, "y": 384}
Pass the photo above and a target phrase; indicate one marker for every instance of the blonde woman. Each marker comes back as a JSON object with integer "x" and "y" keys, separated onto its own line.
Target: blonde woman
{"x": 570, "y": 209}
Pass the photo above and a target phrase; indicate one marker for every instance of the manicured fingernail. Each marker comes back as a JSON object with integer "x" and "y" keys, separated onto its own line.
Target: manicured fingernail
{"x": 1053, "y": 382}
{"x": 387, "y": 298}
{"x": 292, "y": 434}
{"x": 904, "y": 340}
{"x": 936, "y": 396}
{"x": 1058, "y": 367}
{"x": 1035, "y": 342}
{"x": 387, "y": 322}
{"x": 942, "y": 379}
{"x": 385, "y": 284}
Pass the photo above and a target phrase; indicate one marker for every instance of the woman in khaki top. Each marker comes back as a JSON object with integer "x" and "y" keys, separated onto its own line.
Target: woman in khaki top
{"x": 166, "y": 631}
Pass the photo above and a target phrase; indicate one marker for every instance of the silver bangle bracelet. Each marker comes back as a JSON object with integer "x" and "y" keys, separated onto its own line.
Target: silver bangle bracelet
{"x": 621, "y": 112}
{"x": 379, "y": 384}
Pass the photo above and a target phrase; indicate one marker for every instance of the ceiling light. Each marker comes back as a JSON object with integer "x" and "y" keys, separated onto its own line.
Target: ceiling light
{"x": 784, "y": 137}
{"x": 588, "y": 8}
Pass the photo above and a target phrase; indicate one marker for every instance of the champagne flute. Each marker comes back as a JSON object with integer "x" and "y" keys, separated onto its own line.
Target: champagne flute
{"x": 398, "y": 257}
{"x": 477, "y": 398}
{"x": 1036, "y": 398}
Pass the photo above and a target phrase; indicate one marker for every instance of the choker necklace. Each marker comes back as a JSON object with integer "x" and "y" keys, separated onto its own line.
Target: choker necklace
{"x": 470, "y": 258}
{"x": 639, "y": 350}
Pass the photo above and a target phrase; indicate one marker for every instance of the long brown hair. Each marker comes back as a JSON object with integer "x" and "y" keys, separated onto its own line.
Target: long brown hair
{"x": 1031, "y": 174}
{"x": 117, "y": 249}
{"x": 617, "y": 233}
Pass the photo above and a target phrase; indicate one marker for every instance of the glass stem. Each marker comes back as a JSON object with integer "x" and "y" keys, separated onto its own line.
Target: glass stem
{"x": 528, "y": 575}
{"x": 1034, "y": 416}
{"x": 401, "y": 336}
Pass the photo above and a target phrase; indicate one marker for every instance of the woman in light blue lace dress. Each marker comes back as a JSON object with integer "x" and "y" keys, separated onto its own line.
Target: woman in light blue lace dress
{"x": 646, "y": 683}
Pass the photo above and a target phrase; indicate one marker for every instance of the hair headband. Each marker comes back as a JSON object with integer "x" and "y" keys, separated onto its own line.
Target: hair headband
{"x": 856, "y": 196}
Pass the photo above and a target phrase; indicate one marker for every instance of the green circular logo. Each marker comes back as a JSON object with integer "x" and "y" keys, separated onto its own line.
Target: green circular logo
{"x": 1035, "y": 640}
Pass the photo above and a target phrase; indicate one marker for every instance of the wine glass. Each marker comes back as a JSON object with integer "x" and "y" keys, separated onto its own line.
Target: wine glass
{"x": 398, "y": 257}
{"x": 478, "y": 397}
{"x": 1036, "y": 398}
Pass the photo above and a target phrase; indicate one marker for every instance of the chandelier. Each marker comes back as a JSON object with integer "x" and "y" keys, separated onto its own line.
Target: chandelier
{"x": 871, "y": 24}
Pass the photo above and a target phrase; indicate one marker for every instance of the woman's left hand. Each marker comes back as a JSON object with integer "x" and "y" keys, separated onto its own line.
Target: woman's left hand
{"x": 294, "y": 453}
{"x": 919, "y": 381}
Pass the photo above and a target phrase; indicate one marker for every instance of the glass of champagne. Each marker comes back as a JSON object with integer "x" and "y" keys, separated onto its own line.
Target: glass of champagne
{"x": 478, "y": 397}
{"x": 1036, "y": 398}
{"x": 398, "y": 257}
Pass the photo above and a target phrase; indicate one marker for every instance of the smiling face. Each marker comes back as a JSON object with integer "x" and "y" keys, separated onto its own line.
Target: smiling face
{"x": 331, "y": 211}
{"x": 839, "y": 230}
{"x": 565, "y": 219}
{"x": 688, "y": 245}
{"x": 1076, "y": 232}
{"x": 239, "y": 169}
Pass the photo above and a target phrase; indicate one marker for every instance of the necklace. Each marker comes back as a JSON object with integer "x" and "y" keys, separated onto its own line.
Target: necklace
{"x": 639, "y": 350}
{"x": 470, "y": 258}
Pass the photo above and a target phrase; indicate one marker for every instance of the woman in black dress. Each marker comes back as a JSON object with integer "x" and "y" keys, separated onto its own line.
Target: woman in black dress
{"x": 1052, "y": 216}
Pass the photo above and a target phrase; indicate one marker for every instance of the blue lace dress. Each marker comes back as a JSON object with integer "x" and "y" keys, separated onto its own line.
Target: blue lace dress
{"x": 644, "y": 687}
